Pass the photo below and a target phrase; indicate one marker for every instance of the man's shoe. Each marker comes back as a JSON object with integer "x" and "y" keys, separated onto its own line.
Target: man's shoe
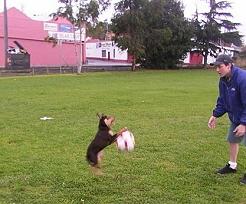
{"x": 243, "y": 180}
{"x": 226, "y": 170}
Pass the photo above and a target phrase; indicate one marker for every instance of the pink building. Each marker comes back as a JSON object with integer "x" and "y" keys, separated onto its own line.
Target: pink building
{"x": 31, "y": 35}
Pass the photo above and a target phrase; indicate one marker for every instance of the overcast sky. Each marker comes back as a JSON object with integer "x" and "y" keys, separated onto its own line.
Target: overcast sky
{"x": 40, "y": 10}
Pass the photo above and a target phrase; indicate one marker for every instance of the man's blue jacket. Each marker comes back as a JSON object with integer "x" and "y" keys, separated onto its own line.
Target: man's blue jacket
{"x": 232, "y": 97}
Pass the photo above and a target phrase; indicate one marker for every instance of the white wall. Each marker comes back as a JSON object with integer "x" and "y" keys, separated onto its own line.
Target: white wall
{"x": 228, "y": 51}
{"x": 187, "y": 58}
{"x": 95, "y": 50}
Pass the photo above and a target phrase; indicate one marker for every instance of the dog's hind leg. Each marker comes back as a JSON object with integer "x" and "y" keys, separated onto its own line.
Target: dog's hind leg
{"x": 96, "y": 171}
{"x": 99, "y": 158}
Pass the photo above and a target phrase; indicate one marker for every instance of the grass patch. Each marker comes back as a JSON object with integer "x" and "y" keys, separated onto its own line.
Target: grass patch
{"x": 175, "y": 155}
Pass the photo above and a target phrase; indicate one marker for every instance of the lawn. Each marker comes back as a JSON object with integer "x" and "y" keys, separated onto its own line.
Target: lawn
{"x": 175, "y": 157}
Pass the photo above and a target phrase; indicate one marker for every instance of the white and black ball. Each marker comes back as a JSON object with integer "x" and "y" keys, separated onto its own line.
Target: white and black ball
{"x": 125, "y": 141}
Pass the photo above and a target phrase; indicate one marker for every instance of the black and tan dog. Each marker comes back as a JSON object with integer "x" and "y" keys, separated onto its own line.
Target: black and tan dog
{"x": 104, "y": 137}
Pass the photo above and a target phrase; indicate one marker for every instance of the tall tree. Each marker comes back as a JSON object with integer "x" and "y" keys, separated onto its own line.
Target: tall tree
{"x": 99, "y": 30}
{"x": 168, "y": 36}
{"x": 79, "y": 13}
{"x": 213, "y": 29}
{"x": 154, "y": 32}
{"x": 129, "y": 27}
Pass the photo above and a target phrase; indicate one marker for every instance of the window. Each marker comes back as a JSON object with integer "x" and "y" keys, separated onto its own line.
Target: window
{"x": 104, "y": 53}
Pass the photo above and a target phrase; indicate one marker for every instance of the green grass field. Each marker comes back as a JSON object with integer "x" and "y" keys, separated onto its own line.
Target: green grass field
{"x": 175, "y": 157}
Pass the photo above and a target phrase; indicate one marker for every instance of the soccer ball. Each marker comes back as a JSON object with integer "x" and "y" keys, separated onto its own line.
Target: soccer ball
{"x": 125, "y": 141}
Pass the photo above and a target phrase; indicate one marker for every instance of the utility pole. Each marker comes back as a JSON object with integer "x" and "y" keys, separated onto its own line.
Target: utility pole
{"x": 212, "y": 2}
{"x": 5, "y": 35}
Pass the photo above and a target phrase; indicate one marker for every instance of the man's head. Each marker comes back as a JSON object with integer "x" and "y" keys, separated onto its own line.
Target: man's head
{"x": 223, "y": 64}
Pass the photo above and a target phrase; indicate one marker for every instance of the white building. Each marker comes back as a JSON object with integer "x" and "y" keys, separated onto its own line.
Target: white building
{"x": 105, "y": 50}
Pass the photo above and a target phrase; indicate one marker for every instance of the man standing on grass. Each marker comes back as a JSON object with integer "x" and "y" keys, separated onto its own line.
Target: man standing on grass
{"x": 231, "y": 100}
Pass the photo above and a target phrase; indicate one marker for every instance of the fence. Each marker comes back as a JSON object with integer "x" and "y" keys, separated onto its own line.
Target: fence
{"x": 61, "y": 70}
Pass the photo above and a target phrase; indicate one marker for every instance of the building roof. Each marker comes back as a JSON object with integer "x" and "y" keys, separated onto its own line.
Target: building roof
{"x": 21, "y": 26}
{"x": 59, "y": 20}
{"x": 91, "y": 40}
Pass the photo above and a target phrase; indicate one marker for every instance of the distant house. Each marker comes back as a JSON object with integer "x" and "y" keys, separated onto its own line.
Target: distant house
{"x": 105, "y": 50}
{"x": 194, "y": 57}
{"x": 31, "y": 35}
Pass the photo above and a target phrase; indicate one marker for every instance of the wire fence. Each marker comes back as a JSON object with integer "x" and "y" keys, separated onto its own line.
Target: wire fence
{"x": 60, "y": 70}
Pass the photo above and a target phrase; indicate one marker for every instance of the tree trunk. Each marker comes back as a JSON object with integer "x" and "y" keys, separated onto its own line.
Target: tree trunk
{"x": 133, "y": 63}
{"x": 205, "y": 60}
{"x": 80, "y": 51}
{"x": 75, "y": 48}
{"x": 205, "y": 63}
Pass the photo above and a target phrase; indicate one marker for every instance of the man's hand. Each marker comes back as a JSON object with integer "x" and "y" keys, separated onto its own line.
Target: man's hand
{"x": 212, "y": 122}
{"x": 240, "y": 130}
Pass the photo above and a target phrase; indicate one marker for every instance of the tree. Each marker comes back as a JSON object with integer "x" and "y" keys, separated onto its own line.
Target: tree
{"x": 129, "y": 27}
{"x": 155, "y": 32}
{"x": 213, "y": 29}
{"x": 99, "y": 30}
{"x": 168, "y": 36}
{"x": 79, "y": 13}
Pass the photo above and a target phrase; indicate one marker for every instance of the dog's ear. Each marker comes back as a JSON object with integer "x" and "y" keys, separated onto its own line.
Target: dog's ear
{"x": 99, "y": 116}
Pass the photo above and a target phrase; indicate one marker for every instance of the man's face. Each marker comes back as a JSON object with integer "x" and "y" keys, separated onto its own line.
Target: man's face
{"x": 224, "y": 70}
